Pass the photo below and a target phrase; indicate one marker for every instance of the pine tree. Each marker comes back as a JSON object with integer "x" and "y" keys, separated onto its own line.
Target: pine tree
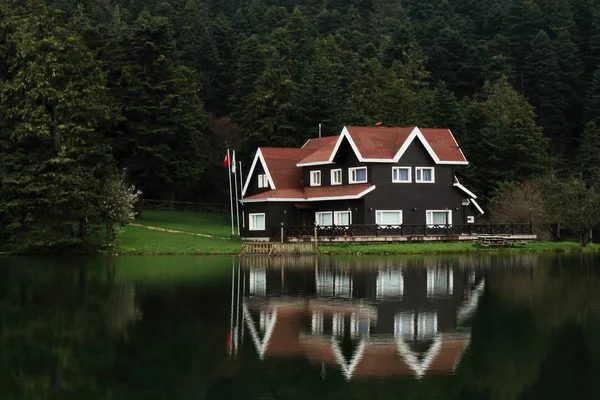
{"x": 164, "y": 137}
{"x": 56, "y": 111}
{"x": 588, "y": 156}
{"x": 505, "y": 144}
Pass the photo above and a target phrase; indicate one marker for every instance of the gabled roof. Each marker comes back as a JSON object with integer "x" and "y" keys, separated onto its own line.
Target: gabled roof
{"x": 471, "y": 195}
{"x": 386, "y": 144}
{"x": 370, "y": 144}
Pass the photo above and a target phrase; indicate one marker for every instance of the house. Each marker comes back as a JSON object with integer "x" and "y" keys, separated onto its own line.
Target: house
{"x": 380, "y": 176}
{"x": 409, "y": 319}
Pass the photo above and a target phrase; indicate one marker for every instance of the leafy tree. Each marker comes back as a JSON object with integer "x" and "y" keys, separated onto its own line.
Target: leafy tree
{"x": 56, "y": 111}
{"x": 574, "y": 205}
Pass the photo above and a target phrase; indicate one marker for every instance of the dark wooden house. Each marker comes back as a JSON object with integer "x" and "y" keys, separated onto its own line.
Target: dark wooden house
{"x": 365, "y": 176}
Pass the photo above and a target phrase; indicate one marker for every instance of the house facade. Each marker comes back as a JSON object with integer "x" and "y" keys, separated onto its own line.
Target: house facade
{"x": 365, "y": 176}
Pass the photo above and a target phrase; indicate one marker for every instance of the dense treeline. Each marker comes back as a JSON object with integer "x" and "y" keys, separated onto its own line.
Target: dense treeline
{"x": 163, "y": 87}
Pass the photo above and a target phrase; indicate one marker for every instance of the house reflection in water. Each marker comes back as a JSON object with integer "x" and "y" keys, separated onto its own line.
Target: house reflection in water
{"x": 370, "y": 321}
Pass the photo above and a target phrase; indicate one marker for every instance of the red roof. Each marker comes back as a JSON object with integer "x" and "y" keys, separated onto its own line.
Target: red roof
{"x": 383, "y": 143}
{"x": 375, "y": 143}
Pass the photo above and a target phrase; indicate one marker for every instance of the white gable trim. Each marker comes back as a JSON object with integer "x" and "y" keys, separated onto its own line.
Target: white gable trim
{"x": 301, "y": 199}
{"x": 419, "y": 367}
{"x": 477, "y": 206}
{"x": 416, "y": 133}
{"x": 464, "y": 189}
{"x": 261, "y": 346}
{"x": 258, "y": 156}
{"x": 344, "y": 134}
{"x": 348, "y": 367}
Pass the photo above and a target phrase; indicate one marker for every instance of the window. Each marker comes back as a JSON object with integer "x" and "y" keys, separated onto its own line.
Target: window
{"x": 390, "y": 283}
{"x": 436, "y": 218}
{"x": 262, "y": 181}
{"x": 440, "y": 282}
{"x": 323, "y": 218}
{"x": 427, "y": 325}
{"x": 256, "y": 222}
{"x": 317, "y": 323}
{"x": 336, "y": 176}
{"x": 357, "y": 175}
{"x": 258, "y": 281}
{"x": 315, "y": 178}
{"x": 265, "y": 320}
{"x": 424, "y": 175}
{"x": 404, "y": 325}
{"x": 337, "y": 324}
{"x": 342, "y": 218}
{"x": 388, "y": 217}
{"x": 470, "y": 219}
{"x": 401, "y": 175}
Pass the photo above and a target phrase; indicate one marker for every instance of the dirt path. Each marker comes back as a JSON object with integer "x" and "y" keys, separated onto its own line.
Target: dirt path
{"x": 156, "y": 228}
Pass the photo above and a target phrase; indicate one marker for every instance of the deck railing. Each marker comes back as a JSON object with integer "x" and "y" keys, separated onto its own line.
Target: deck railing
{"x": 409, "y": 230}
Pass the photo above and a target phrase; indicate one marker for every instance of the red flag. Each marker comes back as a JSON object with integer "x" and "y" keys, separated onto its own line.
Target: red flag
{"x": 227, "y": 161}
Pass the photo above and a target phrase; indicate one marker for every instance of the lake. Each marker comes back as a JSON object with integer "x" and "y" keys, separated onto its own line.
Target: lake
{"x": 521, "y": 326}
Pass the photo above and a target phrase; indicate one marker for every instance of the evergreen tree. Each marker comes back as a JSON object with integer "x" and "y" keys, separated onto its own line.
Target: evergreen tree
{"x": 164, "y": 138}
{"x": 505, "y": 144}
{"x": 588, "y": 157}
{"x": 56, "y": 110}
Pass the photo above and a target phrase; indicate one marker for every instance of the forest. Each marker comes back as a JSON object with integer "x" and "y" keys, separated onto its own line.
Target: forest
{"x": 153, "y": 92}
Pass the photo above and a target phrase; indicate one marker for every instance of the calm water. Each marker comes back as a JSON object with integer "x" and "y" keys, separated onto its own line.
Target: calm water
{"x": 474, "y": 327}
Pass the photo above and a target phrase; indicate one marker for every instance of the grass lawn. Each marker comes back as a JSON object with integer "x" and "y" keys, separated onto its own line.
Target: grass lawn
{"x": 143, "y": 240}
{"x": 213, "y": 224}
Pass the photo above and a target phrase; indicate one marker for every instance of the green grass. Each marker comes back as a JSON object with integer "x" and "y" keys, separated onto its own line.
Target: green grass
{"x": 138, "y": 240}
{"x": 188, "y": 221}
{"x": 448, "y": 248}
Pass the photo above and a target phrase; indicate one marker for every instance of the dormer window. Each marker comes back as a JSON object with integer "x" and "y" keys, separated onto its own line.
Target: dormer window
{"x": 315, "y": 178}
{"x": 424, "y": 175}
{"x": 336, "y": 176}
{"x": 262, "y": 181}
{"x": 357, "y": 175}
{"x": 401, "y": 175}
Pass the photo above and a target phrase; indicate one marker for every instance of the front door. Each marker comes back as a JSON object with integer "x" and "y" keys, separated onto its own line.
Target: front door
{"x": 307, "y": 218}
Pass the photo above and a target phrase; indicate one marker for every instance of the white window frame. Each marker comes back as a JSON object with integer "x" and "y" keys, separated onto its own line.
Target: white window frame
{"x": 422, "y": 319}
{"x": 252, "y": 224}
{"x": 258, "y": 282}
{"x": 352, "y": 173}
{"x": 315, "y": 178}
{"x": 378, "y": 212}
{"x": 394, "y": 169}
{"x": 429, "y": 217}
{"x": 336, "y": 217}
{"x": 333, "y": 172}
{"x": 321, "y": 213}
{"x": 263, "y": 182}
{"x": 398, "y": 324}
{"x": 390, "y": 283}
{"x": 448, "y": 276}
{"x": 470, "y": 219}
{"x": 421, "y": 169}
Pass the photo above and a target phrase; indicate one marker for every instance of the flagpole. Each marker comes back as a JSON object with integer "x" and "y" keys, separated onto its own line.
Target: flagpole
{"x": 242, "y": 190}
{"x": 237, "y": 203}
{"x": 230, "y": 193}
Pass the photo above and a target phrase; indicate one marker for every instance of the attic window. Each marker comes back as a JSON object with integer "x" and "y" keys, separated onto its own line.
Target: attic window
{"x": 336, "y": 176}
{"x": 401, "y": 175}
{"x": 262, "y": 181}
{"x": 424, "y": 175}
{"x": 315, "y": 178}
{"x": 357, "y": 175}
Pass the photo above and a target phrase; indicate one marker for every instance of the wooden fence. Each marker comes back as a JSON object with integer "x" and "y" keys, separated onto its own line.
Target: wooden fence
{"x": 151, "y": 204}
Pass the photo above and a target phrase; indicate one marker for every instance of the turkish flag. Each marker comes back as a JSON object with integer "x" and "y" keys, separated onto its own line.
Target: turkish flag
{"x": 227, "y": 161}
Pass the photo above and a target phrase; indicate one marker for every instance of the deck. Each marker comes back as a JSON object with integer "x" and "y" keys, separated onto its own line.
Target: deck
{"x": 278, "y": 248}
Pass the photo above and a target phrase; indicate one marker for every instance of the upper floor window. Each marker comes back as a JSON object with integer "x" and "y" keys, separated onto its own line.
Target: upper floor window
{"x": 315, "y": 178}
{"x": 262, "y": 181}
{"x": 336, "y": 176}
{"x": 424, "y": 175}
{"x": 357, "y": 175}
{"x": 401, "y": 175}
